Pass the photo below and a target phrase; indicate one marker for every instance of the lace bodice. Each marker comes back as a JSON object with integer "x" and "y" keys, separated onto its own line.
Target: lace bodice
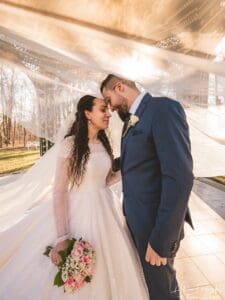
{"x": 98, "y": 175}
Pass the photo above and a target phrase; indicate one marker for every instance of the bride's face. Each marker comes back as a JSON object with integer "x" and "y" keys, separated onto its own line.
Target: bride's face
{"x": 100, "y": 114}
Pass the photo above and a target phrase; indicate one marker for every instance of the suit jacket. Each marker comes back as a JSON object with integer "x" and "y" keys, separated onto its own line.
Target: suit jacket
{"x": 156, "y": 166}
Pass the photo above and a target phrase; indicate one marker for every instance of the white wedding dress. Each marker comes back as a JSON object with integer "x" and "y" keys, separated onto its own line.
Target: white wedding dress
{"x": 91, "y": 211}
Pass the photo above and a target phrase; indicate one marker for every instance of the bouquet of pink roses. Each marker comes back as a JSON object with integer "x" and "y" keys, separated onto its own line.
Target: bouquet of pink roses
{"x": 77, "y": 265}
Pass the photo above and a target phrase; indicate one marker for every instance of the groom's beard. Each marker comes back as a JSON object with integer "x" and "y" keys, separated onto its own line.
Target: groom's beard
{"x": 123, "y": 110}
{"x": 123, "y": 114}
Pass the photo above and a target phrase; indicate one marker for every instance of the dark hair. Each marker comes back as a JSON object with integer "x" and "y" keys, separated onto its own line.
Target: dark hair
{"x": 110, "y": 81}
{"x": 80, "y": 150}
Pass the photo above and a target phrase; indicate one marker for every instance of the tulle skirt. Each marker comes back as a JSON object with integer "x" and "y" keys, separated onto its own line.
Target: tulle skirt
{"x": 96, "y": 216}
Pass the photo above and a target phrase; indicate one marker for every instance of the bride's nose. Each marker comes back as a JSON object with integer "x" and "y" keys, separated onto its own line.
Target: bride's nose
{"x": 108, "y": 114}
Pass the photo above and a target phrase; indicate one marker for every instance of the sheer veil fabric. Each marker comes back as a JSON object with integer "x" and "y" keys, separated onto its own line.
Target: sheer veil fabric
{"x": 33, "y": 187}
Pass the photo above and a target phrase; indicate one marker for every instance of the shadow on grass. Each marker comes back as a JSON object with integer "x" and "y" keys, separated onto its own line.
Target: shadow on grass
{"x": 17, "y": 160}
{"x": 16, "y": 170}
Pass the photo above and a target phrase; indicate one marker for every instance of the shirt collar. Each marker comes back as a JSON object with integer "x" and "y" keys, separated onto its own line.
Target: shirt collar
{"x": 137, "y": 102}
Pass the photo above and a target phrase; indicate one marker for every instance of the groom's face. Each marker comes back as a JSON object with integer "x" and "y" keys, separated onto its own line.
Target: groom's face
{"x": 117, "y": 102}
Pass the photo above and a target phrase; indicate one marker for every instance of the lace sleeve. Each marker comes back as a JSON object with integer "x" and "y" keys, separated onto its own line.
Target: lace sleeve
{"x": 61, "y": 191}
{"x": 66, "y": 147}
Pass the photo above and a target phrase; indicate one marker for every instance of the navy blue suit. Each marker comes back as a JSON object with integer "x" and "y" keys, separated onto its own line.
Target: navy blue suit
{"x": 156, "y": 166}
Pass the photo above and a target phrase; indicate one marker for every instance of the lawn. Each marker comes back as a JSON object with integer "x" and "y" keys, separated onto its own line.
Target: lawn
{"x": 15, "y": 160}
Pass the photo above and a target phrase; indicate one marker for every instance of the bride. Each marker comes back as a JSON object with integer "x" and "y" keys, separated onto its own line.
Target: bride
{"x": 82, "y": 206}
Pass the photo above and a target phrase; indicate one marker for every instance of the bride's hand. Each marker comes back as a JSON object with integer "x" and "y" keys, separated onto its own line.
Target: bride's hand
{"x": 55, "y": 257}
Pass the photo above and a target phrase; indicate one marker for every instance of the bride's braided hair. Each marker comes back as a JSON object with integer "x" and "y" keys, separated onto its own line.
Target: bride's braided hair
{"x": 81, "y": 151}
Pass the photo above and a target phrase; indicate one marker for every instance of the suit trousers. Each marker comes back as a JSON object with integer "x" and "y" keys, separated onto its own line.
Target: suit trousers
{"x": 161, "y": 281}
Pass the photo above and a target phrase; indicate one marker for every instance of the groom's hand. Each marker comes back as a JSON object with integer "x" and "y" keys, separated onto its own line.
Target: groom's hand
{"x": 153, "y": 258}
{"x": 116, "y": 164}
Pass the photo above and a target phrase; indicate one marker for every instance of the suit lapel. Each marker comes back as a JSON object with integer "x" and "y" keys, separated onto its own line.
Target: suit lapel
{"x": 142, "y": 105}
{"x": 138, "y": 113}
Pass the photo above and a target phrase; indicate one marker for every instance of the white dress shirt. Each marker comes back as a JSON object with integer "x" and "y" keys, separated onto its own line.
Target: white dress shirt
{"x": 137, "y": 102}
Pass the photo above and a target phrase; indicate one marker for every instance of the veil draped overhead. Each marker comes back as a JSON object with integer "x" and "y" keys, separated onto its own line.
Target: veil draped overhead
{"x": 51, "y": 55}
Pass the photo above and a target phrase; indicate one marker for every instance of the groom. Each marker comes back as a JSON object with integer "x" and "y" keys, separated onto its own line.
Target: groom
{"x": 156, "y": 166}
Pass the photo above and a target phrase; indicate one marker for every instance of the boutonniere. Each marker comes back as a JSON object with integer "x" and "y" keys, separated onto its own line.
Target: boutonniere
{"x": 131, "y": 123}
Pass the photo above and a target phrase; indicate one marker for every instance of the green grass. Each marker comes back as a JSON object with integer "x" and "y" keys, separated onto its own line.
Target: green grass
{"x": 15, "y": 160}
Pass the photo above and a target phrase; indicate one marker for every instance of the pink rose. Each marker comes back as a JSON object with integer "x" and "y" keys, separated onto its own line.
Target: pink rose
{"x": 76, "y": 252}
{"x": 78, "y": 281}
{"x": 80, "y": 248}
{"x": 70, "y": 281}
{"x": 86, "y": 259}
{"x": 82, "y": 244}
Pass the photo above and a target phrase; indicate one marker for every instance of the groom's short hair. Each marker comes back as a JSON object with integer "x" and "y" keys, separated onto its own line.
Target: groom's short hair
{"x": 111, "y": 80}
